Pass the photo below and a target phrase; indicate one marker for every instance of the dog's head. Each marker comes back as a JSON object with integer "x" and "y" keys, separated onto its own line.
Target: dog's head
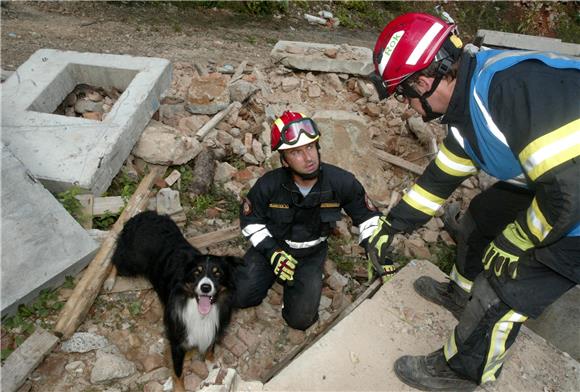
{"x": 209, "y": 279}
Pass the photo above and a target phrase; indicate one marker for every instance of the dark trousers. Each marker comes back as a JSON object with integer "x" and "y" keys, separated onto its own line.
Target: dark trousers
{"x": 498, "y": 306}
{"x": 254, "y": 278}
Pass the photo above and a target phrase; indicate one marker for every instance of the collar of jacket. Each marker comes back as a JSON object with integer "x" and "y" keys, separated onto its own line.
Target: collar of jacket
{"x": 290, "y": 185}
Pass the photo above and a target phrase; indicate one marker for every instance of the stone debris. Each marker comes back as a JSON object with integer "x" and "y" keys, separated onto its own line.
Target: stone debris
{"x": 82, "y": 342}
{"x": 89, "y": 102}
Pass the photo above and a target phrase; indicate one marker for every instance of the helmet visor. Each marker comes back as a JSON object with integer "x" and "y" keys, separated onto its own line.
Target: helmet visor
{"x": 291, "y": 132}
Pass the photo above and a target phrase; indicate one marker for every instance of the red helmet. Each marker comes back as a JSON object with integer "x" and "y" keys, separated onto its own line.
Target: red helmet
{"x": 409, "y": 43}
{"x": 293, "y": 129}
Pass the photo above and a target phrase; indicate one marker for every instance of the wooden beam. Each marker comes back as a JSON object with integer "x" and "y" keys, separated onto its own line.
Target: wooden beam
{"x": 208, "y": 126}
{"x": 208, "y": 239}
{"x": 85, "y": 292}
{"x": 26, "y": 358}
{"x": 312, "y": 339}
{"x": 395, "y": 160}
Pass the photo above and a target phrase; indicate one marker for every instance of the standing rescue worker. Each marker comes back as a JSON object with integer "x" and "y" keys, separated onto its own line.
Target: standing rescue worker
{"x": 515, "y": 115}
{"x": 288, "y": 215}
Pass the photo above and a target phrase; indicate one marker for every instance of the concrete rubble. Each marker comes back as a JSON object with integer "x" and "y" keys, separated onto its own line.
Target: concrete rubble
{"x": 324, "y": 82}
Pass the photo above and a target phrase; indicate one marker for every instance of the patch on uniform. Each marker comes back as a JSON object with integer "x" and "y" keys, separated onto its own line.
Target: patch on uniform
{"x": 369, "y": 204}
{"x": 246, "y": 207}
{"x": 329, "y": 205}
{"x": 278, "y": 205}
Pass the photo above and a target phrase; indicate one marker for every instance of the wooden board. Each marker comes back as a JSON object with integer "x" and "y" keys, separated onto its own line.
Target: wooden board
{"x": 26, "y": 358}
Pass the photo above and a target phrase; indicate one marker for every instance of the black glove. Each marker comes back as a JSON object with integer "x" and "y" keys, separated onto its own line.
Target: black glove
{"x": 377, "y": 249}
{"x": 504, "y": 252}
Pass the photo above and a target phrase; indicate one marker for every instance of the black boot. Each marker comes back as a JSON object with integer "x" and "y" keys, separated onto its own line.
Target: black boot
{"x": 431, "y": 373}
{"x": 451, "y": 220}
{"x": 449, "y": 295}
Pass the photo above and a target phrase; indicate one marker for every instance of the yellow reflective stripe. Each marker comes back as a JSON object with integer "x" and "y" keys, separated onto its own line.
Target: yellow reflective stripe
{"x": 453, "y": 164}
{"x": 421, "y": 200}
{"x": 537, "y": 222}
{"x": 279, "y": 123}
{"x": 551, "y": 150}
{"x": 497, "y": 349}
{"x": 460, "y": 280}
{"x": 450, "y": 348}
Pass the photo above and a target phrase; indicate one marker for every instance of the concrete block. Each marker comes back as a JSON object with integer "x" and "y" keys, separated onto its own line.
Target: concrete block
{"x": 500, "y": 39}
{"x": 41, "y": 242}
{"x": 359, "y": 352}
{"x": 346, "y": 135}
{"x": 354, "y": 60}
{"x": 65, "y": 151}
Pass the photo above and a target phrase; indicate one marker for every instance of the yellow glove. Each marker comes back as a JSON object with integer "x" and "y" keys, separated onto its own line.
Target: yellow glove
{"x": 377, "y": 247}
{"x": 504, "y": 252}
{"x": 284, "y": 265}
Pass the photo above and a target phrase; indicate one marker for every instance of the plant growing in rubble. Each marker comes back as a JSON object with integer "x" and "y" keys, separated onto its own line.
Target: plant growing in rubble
{"x": 70, "y": 202}
{"x": 24, "y": 322}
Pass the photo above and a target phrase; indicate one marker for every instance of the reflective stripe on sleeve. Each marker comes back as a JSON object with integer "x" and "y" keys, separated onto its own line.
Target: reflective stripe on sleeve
{"x": 306, "y": 244}
{"x": 551, "y": 150}
{"x": 497, "y": 350}
{"x": 421, "y": 200}
{"x": 256, "y": 233}
{"x": 489, "y": 121}
{"x": 454, "y": 165}
{"x": 367, "y": 228}
{"x": 536, "y": 221}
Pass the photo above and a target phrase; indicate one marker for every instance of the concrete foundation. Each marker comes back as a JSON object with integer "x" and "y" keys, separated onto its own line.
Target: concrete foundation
{"x": 359, "y": 352}
{"x": 64, "y": 151}
{"x": 41, "y": 242}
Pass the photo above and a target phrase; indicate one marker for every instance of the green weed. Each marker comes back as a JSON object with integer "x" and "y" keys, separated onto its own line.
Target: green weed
{"x": 443, "y": 255}
{"x": 105, "y": 221}
{"x": 186, "y": 176}
{"x": 70, "y": 202}
{"x": 135, "y": 308}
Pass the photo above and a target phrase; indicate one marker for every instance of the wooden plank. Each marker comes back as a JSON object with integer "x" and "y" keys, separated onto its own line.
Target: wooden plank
{"x": 208, "y": 239}
{"x": 395, "y": 160}
{"x": 26, "y": 358}
{"x": 85, "y": 292}
{"x": 208, "y": 126}
{"x": 111, "y": 204}
{"x": 312, "y": 339}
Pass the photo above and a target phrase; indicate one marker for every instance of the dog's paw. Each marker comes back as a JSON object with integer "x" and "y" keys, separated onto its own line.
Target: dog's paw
{"x": 109, "y": 283}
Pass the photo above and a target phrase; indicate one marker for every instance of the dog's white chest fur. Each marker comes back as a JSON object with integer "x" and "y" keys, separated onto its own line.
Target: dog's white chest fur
{"x": 201, "y": 329}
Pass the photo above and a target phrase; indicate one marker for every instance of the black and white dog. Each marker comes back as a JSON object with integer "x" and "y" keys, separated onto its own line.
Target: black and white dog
{"x": 196, "y": 290}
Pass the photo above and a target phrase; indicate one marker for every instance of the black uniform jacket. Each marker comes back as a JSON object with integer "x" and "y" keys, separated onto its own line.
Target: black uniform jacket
{"x": 275, "y": 210}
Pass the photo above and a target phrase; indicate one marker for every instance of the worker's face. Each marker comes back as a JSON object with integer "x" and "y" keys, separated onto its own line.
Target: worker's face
{"x": 439, "y": 100}
{"x": 303, "y": 159}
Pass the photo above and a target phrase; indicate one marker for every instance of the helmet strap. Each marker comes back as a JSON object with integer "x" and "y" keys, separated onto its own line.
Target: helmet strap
{"x": 429, "y": 113}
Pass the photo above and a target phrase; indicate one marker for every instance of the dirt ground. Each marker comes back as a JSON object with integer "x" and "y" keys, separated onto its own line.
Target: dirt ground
{"x": 189, "y": 35}
{"x": 132, "y": 320}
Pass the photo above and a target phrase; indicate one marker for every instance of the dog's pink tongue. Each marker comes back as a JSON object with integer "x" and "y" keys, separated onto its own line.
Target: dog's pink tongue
{"x": 204, "y": 304}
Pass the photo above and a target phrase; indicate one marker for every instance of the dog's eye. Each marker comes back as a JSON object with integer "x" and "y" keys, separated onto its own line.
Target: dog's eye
{"x": 198, "y": 270}
{"x": 216, "y": 271}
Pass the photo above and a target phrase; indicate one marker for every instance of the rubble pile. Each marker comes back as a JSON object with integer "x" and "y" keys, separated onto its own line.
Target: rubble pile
{"x": 218, "y": 123}
{"x": 89, "y": 102}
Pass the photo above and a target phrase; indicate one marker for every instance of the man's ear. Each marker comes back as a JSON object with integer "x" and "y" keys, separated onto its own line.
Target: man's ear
{"x": 424, "y": 84}
{"x": 282, "y": 160}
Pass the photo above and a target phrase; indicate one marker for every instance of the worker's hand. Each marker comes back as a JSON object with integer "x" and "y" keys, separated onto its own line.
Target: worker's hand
{"x": 386, "y": 271}
{"x": 284, "y": 265}
{"x": 377, "y": 247}
{"x": 504, "y": 252}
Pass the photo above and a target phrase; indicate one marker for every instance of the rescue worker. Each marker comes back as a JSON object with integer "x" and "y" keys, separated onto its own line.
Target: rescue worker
{"x": 515, "y": 115}
{"x": 288, "y": 215}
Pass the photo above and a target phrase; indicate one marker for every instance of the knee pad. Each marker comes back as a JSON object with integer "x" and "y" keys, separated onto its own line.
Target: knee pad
{"x": 483, "y": 298}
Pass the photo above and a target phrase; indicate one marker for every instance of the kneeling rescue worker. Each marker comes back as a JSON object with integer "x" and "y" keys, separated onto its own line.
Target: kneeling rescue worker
{"x": 515, "y": 115}
{"x": 288, "y": 215}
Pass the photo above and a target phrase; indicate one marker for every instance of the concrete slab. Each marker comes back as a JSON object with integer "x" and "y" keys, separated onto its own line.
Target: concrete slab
{"x": 41, "y": 242}
{"x": 309, "y": 56}
{"x": 65, "y": 151}
{"x": 359, "y": 352}
{"x": 500, "y": 39}
{"x": 346, "y": 134}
